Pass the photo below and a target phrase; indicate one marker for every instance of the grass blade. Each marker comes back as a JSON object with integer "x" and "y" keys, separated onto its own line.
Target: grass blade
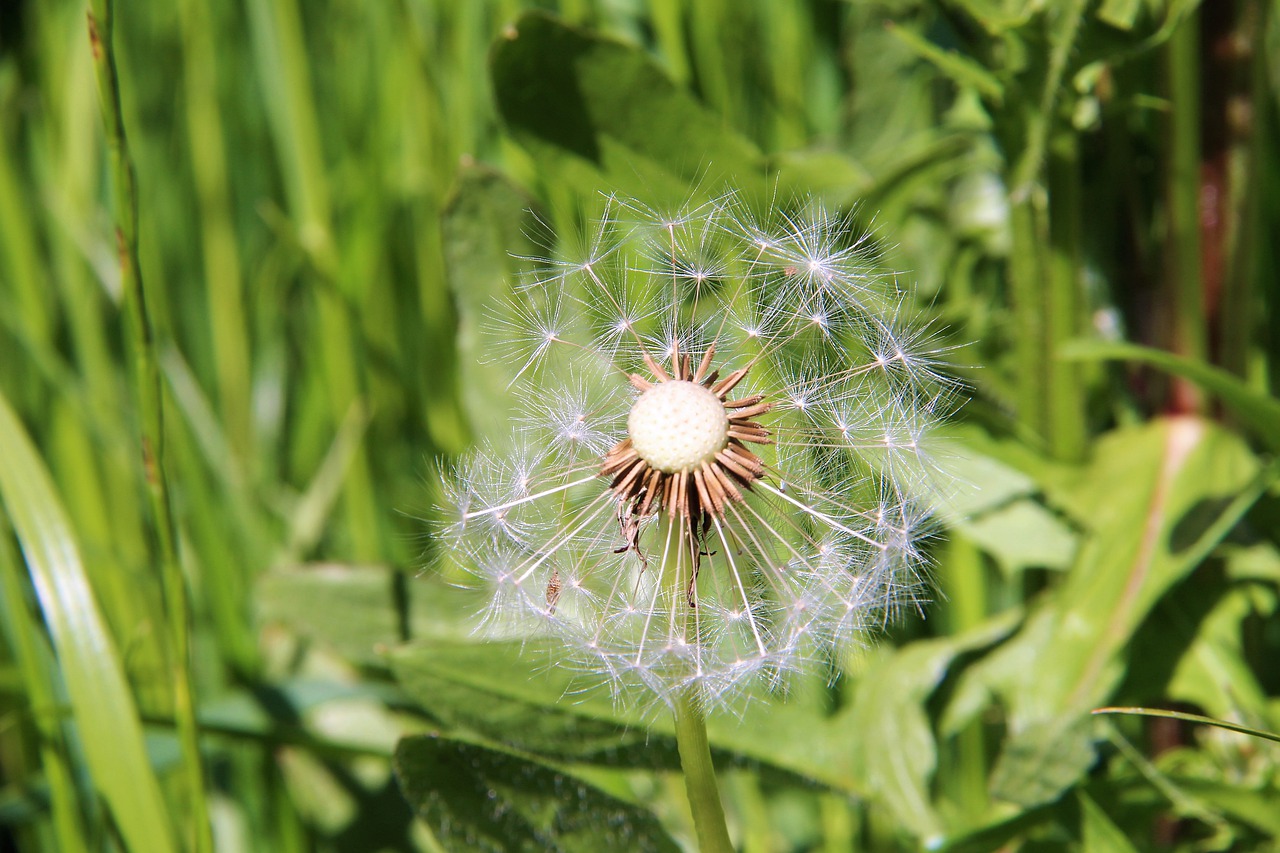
{"x": 101, "y": 704}
{"x": 1257, "y": 411}
{"x": 1192, "y": 718}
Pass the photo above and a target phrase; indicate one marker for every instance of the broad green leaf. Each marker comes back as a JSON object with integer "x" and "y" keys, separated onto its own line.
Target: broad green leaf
{"x": 1042, "y": 760}
{"x": 982, "y": 482}
{"x": 1259, "y": 561}
{"x": 489, "y": 801}
{"x": 1257, "y": 411}
{"x": 526, "y": 696}
{"x": 359, "y": 610}
{"x": 583, "y": 100}
{"x": 1132, "y": 797}
{"x": 1213, "y": 672}
{"x": 833, "y": 177}
{"x": 294, "y": 712}
{"x": 895, "y": 753}
{"x": 506, "y": 692}
{"x": 997, "y": 16}
{"x": 995, "y": 506}
{"x": 101, "y": 704}
{"x": 1186, "y": 484}
{"x": 1022, "y": 535}
{"x": 528, "y": 701}
{"x": 486, "y": 223}
{"x": 998, "y": 835}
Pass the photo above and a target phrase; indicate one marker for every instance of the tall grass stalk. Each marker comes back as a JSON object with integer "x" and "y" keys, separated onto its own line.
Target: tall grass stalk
{"x": 282, "y": 60}
{"x": 142, "y": 348}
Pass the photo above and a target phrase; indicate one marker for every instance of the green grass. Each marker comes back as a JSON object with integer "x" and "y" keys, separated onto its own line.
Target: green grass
{"x": 234, "y": 638}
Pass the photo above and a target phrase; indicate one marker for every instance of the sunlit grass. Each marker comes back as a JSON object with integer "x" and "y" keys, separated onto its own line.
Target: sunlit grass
{"x": 329, "y": 196}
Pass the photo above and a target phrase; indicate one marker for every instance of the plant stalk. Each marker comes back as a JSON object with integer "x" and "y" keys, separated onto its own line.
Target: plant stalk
{"x": 140, "y": 336}
{"x": 700, "y": 776}
{"x": 691, "y": 723}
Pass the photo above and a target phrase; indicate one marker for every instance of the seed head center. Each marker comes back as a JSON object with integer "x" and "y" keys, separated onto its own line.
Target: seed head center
{"x": 677, "y": 425}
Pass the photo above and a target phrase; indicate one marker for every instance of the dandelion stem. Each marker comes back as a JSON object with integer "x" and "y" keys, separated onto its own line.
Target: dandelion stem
{"x": 700, "y": 775}
{"x": 691, "y": 724}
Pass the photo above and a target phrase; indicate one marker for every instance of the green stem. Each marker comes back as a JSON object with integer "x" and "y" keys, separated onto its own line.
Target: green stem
{"x": 968, "y": 602}
{"x": 1025, "y": 278}
{"x": 151, "y": 411}
{"x": 691, "y": 724}
{"x": 1183, "y": 189}
{"x": 1042, "y": 276}
{"x": 1065, "y": 396}
{"x": 700, "y": 776}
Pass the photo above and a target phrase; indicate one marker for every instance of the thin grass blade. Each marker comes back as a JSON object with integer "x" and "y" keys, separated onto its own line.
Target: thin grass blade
{"x": 101, "y": 704}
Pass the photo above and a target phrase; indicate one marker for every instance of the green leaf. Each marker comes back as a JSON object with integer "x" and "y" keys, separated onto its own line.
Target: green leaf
{"x": 1213, "y": 673}
{"x": 994, "y": 506}
{"x": 835, "y": 178}
{"x": 582, "y": 100}
{"x": 1120, "y": 13}
{"x": 1253, "y": 806}
{"x": 1193, "y": 718}
{"x": 895, "y": 753}
{"x": 359, "y": 610}
{"x": 998, "y": 835}
{"x": 998, "y": 16}
{"x": 1257, "y": 411}
{"x": 486, "y": 223}
{"x": 525, "y": 695}
{"x": 961, "y": 69}
{"x": 489, "y": 801}
{"x": 309, "y": 516}
{"x": 1042, "y": 760}
{"x": 1022, "y": 535}
{"x": 292, "y": 712}
{"x": 982, "y": 482}
{"x": 1187, "y": 483}
{"x": 60, "y": 797}
{"x": 101, "y": 704}
{"x": 505, "y": 692}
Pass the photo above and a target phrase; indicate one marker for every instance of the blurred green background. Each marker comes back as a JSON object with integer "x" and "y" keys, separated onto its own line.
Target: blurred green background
{"x": 220, "y": 430}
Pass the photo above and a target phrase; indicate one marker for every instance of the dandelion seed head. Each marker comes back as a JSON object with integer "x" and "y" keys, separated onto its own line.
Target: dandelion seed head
{"x": 721, "y": 475}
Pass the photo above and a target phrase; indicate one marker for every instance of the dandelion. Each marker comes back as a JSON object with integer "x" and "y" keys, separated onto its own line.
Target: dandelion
{"x": 717, "y": 476}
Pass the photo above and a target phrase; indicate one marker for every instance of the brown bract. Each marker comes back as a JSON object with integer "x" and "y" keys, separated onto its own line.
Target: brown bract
{"x": 699, "y": 493}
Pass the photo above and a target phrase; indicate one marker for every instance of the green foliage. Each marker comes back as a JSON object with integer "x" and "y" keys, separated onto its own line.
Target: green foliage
{"x": 575, "y": 99}
{"x": 106, "y": 718}
{"x": 219, "y": 462}
{"x": 485, "y": 800}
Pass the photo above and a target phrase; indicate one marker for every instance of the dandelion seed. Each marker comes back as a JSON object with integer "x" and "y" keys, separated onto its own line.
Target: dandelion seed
{"x": 722, "y": 470}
